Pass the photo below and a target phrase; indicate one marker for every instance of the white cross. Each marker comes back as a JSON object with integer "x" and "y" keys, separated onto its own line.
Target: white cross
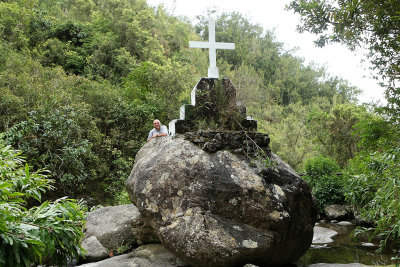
{"x": 212, "y": 46}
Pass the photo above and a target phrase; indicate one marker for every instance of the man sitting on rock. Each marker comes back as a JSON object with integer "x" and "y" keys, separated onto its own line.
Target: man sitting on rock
{"x": 158, "y": 130}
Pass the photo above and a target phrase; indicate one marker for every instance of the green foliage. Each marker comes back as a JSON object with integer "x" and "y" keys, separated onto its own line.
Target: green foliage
{"x": 376, "y": 192}
{"x": 290, "y": 137}
{"x": 335, "y": 133}
{"x": 11, "y": 109}
{"x": 46, "y": 234}
{"x": 39, "y": 28}
{"x": 319, "y": 166}
{"x": 327, "y": 187}
{"x": 57, "y": 139}
{"x": 375, "y": 186}
{"x": 14, "y": 23}
{"x": 71, "y": 120}
{"x": 66, "y": 44}
{"x": 375, "y": 134}
{"x": 70, "y": 32}
{"x": 329, "y": 190}
{"x": 149, "y": 83}
{"x": 372, "y": 23}
{"x": 108, "y": 60}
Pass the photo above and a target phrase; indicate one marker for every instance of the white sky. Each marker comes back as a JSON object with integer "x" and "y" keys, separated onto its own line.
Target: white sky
{"x": 270, "y": 14}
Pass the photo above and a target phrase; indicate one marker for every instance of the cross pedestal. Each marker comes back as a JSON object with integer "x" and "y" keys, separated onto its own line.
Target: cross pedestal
{"x": 213, "y": 102}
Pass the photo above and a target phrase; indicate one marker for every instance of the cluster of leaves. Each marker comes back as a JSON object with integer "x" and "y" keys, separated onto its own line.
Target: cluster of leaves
{"x": 58, "y": 140}
{"x": 327, "y": 186}
{"x": 49, "y": 233}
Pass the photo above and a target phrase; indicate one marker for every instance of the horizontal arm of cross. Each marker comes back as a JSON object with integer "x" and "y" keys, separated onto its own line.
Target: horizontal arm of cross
{"x": 217, "y": 45}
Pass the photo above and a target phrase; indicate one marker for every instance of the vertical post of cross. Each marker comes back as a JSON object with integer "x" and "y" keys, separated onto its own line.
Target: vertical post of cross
{"x": 212, "y": 45}
{"x": 212, "y": 51}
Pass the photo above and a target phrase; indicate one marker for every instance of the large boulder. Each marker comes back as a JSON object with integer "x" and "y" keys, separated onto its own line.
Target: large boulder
{"x": 118, "y": 226}
{"x": 213, "y": 209}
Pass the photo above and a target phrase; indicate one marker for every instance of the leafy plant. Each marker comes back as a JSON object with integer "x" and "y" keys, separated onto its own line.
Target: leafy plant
{"x": 376, "y": 193}
{"x": 320, "y": 165}
{"x": 46, "y": 234}
{"x": 375, "y": 185}
{"x": 327, "y": 186}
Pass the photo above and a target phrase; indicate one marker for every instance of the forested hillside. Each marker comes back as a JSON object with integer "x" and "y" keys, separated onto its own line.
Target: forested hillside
{"x": 82, "y": 80}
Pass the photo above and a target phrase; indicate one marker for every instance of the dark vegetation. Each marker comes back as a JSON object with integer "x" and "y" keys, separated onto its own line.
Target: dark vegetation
{"x": 81, "y": 82}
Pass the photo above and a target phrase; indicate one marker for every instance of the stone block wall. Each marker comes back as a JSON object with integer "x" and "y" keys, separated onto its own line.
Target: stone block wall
{"x": 246, "y": 143}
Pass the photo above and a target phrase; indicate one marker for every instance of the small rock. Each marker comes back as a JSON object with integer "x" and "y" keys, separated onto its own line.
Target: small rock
{"x": 365, "y": 244}
{"x": 323, "y": 235}
{"x": 199, "y": 140}
{"x": 360, "y": 220}
{"x": 319, "y": 246}
{"x": 94, "y": 249}
{"x": 210, "y": 147}
{"x": 344, "y": 223}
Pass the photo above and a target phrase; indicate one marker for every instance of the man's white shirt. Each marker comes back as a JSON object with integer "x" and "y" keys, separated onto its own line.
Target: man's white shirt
{"x": 163, "y": 129}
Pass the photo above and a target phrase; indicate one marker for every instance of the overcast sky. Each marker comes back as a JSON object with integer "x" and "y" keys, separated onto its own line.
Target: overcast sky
{"x": 270, "y": 14}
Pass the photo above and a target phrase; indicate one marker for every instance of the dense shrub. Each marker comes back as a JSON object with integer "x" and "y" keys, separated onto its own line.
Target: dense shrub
{"x": 327, "y": 186}
{"x": 46, "y": 234}
{"x": 60, "y": 140}
{"x": 318, "y": 166}
{"x": 11, "y": 109}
